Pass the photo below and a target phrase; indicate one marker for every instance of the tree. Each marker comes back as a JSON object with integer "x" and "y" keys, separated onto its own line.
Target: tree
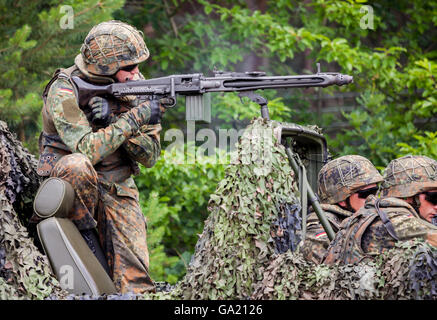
{"x": 393, "y": 64}
{"x": 38, "y": 37}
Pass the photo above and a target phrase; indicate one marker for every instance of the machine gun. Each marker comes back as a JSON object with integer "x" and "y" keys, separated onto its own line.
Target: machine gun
{"x": 194, "y": 86}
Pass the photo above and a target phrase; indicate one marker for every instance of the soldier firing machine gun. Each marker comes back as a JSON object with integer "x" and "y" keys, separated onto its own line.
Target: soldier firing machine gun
{"x": 195, "y": 86}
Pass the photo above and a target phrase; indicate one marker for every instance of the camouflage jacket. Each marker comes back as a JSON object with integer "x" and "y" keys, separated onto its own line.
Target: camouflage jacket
{"x": 316, "y": 240}
{"x": 67, "y": 129}
{"x": 374, "y": 229}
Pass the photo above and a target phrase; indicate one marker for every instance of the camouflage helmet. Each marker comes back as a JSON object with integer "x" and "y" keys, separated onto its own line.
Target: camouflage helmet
{"x": 112, "y": 45}
{"x": 409, "y": 175}
{"x": 341, "y": 177}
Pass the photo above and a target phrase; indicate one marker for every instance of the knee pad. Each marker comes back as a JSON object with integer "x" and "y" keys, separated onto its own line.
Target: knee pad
{"x": 55, "y": 197}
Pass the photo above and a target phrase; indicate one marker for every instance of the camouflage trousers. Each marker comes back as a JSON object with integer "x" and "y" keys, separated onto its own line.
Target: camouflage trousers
{"x": 118, "y": 218}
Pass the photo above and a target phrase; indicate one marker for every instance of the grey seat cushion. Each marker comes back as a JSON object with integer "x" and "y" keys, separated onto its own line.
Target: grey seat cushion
{"x": 75, "y": 266}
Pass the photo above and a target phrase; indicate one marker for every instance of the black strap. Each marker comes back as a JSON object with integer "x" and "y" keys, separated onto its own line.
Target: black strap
{"x": 387, "y": 223}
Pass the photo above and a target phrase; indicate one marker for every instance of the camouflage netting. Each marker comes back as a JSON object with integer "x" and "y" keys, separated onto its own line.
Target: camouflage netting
{"x": 254, "y": 219}
{"x": 245, "y": 218}
{"x": 409, "y": 271}
{"x": 244, "y": 251}
{"x": 24, "y": 272}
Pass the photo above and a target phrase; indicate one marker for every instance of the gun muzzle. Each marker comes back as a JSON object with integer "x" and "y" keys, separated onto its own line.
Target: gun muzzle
{"x": 343, "y": 79}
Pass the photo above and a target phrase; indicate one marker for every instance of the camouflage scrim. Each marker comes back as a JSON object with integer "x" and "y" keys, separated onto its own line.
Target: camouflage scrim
{"x": 407, "y": 272}
{"x": 408, "y": 176}
{"x": 112, "y": 45}
{"x": 341, "y": 177}
{"x": 25, "y": 272}
{"x": 235, "y": 243}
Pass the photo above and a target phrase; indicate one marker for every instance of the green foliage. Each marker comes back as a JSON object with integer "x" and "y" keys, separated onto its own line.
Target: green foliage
{"x": 394, "y": 62}
{"x": 173, "y": 197}
{"x": 393, "y": 65}
{"x": 33, "y": 44}
{"x": 423, "y": 144}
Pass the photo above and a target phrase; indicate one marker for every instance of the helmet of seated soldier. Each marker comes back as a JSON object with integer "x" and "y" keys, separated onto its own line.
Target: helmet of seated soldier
{"x": 409, "y": 175}
{"x": 342, "y": 177}
{"x": 110, "y": 46}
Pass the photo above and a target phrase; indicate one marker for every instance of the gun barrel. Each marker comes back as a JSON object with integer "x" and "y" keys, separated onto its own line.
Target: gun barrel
{"x": 254, "y": 83}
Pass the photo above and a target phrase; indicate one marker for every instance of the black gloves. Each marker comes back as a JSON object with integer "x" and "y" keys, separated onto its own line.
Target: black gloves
{"x": 100, "y": 112}
{"x": 147, "y": 112}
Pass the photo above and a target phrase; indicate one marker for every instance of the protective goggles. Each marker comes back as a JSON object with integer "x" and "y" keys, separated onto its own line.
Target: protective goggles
{"x": 129, "y": 68}
{"x": 363, "y": 194}
{"x": 431, "y": 197}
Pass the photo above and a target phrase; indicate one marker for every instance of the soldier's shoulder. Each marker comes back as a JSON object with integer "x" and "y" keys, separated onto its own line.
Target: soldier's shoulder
{"x": 336, "y": 211}
{"x": 397, "y": 207}
{"x": 61, "y": 83}
{"x": 391, "y": 202}
{"x": 61, "y": 87}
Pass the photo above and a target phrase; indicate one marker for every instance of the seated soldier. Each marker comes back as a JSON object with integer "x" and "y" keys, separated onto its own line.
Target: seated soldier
{"x": 404, "y": 212}
{"x": 343, "y": 186}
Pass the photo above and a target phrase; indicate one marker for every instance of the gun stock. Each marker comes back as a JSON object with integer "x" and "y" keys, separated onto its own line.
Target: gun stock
{"x": 85, "y": 90}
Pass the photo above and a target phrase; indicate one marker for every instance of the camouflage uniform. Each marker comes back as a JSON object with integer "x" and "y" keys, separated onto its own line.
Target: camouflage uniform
{"x": 337, "y": 180}
{"x": 316, "y": 240}
{"x": 99, "y": 162}
{"x": 365, "y": 234}
{"x": 381, "y": 222}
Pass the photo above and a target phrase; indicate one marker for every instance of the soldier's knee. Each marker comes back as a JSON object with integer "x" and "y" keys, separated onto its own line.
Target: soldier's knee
{"x": 74, "y": 164}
